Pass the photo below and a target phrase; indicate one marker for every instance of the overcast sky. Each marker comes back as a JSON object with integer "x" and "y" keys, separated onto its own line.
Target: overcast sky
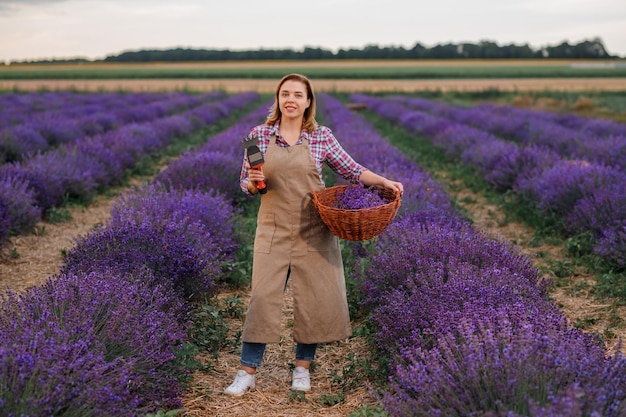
{"x": 94, "y": 29}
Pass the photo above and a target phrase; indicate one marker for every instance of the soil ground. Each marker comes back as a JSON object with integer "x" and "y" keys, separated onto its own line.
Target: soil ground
{"x": 236, "y": 85}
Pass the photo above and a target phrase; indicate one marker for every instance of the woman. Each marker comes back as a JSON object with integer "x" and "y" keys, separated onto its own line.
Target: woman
{"x": 291, "y": 242}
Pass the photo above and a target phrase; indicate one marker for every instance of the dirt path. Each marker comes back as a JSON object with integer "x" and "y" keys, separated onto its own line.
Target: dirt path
{"x": 272, "y": 395}
{"x": 30, "y": 259}
{"x": 237, "y": 85}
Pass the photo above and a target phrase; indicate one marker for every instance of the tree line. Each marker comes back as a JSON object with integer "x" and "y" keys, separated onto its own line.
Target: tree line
{"x": 591, "y": 49}
{"x": 587, "y": 49}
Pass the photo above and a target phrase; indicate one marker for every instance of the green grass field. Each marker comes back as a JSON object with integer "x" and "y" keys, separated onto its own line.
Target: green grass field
{"x": 335, "y": 70}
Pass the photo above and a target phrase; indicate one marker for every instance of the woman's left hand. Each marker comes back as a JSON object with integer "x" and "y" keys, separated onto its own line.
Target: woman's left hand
{"x": 393, "y": 185}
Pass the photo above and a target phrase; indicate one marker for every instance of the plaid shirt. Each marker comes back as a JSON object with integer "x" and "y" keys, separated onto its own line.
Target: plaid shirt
{"x": 324, "y": 148}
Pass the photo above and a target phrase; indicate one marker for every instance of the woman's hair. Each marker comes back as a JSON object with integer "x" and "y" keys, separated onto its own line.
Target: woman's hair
{"x": 308, "y": 122}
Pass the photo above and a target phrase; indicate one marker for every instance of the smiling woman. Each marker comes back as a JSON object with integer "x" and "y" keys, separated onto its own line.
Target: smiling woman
{"x": 292, "y": 245}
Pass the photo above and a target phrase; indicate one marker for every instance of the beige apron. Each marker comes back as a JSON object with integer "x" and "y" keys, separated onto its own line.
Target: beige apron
{"x": 291, "y": 236}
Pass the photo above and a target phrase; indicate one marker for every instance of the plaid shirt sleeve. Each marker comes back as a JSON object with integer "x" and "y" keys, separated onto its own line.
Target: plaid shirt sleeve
{"x": 326, "y": 149}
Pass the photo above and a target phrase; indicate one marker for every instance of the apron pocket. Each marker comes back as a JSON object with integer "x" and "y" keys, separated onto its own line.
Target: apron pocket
{"x": 266, "y": 227}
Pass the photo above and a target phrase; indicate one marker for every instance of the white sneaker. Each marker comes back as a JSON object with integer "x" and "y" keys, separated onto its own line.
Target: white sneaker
{"x": 243, "y": 382}
{"x": 301, "y": 379}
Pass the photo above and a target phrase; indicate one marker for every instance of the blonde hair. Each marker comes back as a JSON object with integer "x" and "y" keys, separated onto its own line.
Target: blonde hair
{"x": 308, "y": 122}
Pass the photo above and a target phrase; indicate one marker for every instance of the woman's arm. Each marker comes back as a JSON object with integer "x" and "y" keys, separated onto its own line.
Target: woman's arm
{"x": 343, "y": 164}
{"x": 370, "y": 178}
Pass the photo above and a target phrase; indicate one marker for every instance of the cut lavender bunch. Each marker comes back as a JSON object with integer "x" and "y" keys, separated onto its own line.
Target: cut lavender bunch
{"x": 359, "y": 197}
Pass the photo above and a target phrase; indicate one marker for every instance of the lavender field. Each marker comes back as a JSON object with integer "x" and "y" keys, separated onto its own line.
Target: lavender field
{"x": 464, "y": 323}
{"x": 60, "y": 146}
{"x": 569, "y": 167}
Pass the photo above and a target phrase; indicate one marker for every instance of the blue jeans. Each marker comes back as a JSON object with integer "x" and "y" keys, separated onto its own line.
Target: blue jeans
{"x": 252, "y": 353}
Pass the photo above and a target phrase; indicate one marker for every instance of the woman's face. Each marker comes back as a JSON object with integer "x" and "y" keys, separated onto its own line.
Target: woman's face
{"x": 292, "y": 99}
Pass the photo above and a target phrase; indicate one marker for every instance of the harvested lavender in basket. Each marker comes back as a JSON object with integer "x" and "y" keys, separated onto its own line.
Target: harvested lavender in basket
{"x": 359, "y": 197}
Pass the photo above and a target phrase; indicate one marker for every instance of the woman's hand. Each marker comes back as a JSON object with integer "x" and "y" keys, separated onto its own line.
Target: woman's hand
{"x": 254, "y": 175}
{"x": 393, "y": 185}
{"x": 372, "y": 179}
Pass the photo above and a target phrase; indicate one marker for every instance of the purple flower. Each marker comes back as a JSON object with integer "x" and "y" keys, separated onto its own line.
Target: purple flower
{"x": 56, "y": 129}
{"x": 19, "y": 205}
{"x": 5, "y": 221}
{"x": 19, "y": 141}
{"x": 47, "y": 190}
{"x": 131, "y": 249}
{"x": 611, "y": 244}
{"x": 359, "y": 197}
{"x": 507, "y": 363}
{"x": 205, "y": 171}
{"x": 560, "y": 187}
{"x": 102, "y": 342}
{"x": 204, "y": 219}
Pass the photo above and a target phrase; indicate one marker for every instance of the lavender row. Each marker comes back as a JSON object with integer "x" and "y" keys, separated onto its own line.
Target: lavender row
{"x": 17, "y": 108}
{"x": 217, "y": 164}
{"x": 29, "y": 189}
{"x": 465, "y": 319}
{"x": 107, "y": 333}
{"x": 42, "y": 131}
{"x": 587, "y": 125}
{"x": 104, "y": 334}
{"x": 600, "y": 141}
{"x": 422, "y": 193}
{"x": 589, "y": 197}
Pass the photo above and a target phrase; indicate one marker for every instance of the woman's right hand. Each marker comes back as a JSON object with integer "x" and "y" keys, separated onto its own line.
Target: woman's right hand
{"x": 254, "y": 176}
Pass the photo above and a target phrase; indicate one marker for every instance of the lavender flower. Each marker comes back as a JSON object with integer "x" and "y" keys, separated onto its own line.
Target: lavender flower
{"x": 611, "y": 244}
{"x": 131, "y": 249}
{"x": 508, "y": 364}
{"x": 97, "y": 123}
{"x": 98, "y": 344}
{"x": 5, "y": 221}
{"x": 203, "y": 219}
{"x": 19, "y": 141}
{"x": 604, "y": 206}
{"x": 19, "y": 205}
{"x": 359, "y": 197}
{"x": 464, "y": 319}
{"x": 47, "y": 191}
{"x": 518, "y": 167}
{"x": 56, "y": 129}
{"x": 68, "y": 175}
{"x": 410, "y": 247}
{"x": 361, "y": 140}
{"x": 560, "y": 187}
{"x": 110, "y": 170}
{"x": 205, "y": 171}
{"x": 550, "y": 164}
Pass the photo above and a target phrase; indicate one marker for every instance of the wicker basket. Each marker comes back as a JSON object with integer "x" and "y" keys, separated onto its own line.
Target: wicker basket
{"x": 361, "y": 224}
